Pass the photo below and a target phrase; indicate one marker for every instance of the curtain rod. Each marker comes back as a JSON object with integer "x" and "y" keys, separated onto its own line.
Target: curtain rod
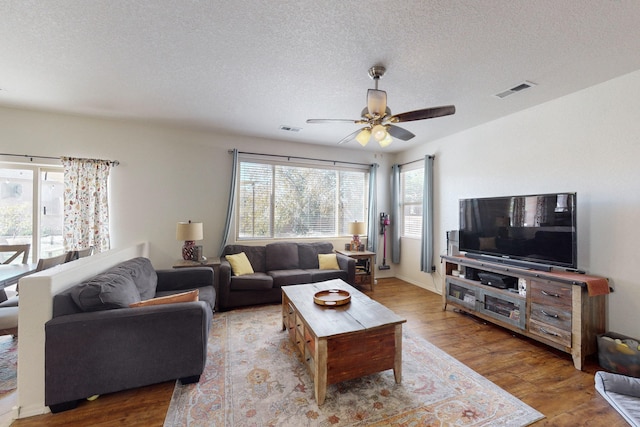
{"x": 303, "y": 158}
{"x": 113, "y": 162}
{"x": 416, "y": 161}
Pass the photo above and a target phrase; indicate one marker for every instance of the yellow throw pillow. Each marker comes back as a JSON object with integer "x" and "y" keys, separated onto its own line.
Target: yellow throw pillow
{"x": 328, "y": 262}
{"x": 169, "y": 299}
{"x": 240, "y": 264}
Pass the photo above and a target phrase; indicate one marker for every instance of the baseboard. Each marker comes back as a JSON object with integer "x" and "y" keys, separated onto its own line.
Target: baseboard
{"x": 19, "y": 412}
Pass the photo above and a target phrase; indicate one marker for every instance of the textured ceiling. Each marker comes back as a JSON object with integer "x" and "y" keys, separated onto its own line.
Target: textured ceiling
{"x": 248, "y": 67}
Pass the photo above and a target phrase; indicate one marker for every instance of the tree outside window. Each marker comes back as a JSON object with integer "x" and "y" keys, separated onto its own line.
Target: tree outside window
{"x": 279, "y": 201}
{"x": 412, "y": 182}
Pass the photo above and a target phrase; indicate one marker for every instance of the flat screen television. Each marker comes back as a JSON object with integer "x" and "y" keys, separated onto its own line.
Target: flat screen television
{"x": 534, "y": 229}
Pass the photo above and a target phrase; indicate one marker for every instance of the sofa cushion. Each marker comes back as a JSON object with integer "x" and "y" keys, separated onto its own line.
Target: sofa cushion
{"x": 281, "y": 256}
{"x": 188, "y": 296}
{"x": 307, "y": 256}
{"x": 251, "y": 282}
{"x": 328, "y": 262}
{"x": 143, "y": 274}
{"x": 308, "y": 253}
{"x": 240, "y": 264}
{"x": 105, "y": 291}
{"x": 289, "y": 277}
{"x": 256, "y": 255}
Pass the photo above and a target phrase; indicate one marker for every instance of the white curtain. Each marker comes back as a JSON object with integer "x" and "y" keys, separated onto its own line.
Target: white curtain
{"x": 86, "y": 204}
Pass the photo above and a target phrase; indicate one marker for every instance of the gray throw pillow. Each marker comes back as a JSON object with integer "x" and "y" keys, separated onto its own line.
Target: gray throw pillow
{"x": 105, "y": 291}
{"x": 143, "y": 274}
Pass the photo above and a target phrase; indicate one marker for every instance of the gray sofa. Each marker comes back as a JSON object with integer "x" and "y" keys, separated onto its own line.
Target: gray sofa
{"x": 622, "y": 393}
{"x": 96, "y": 344}
{"x": 276, "y": 265}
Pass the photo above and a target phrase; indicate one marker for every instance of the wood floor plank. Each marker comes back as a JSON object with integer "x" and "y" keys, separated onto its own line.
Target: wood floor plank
{"x": 537, "y": 374}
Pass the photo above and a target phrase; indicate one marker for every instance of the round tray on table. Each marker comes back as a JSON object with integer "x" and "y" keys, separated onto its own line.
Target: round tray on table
{"x": 332, "y": 297}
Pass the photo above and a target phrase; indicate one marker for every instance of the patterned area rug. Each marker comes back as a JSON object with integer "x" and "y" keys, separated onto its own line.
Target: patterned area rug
{"x": 8, "y": 364}
{"x": 254, "y": 377}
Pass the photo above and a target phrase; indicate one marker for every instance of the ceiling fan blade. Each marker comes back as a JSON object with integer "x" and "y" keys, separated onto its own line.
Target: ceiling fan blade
{"x": 376, "y": 102}
{"x": 332, "y": 121}
{"x": 400, "y": 133}
{"x": 349, "y": 137}
{"x": 426, "y": 113}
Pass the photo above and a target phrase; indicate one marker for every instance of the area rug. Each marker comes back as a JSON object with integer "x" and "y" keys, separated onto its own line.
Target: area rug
{"x": 254, "y": 377}
{"x": 8, "y": 364}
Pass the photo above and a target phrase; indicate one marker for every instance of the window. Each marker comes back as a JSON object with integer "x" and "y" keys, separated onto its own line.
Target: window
{"x": 279, "y": 201}
{"x": 28, "y": 204}
{"x": 412, "y": 182}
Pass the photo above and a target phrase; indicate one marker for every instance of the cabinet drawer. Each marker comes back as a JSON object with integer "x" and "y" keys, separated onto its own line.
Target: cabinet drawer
{"x": 551, "y": 294}
{"x": 310, "y": 341}
{"x": 299, "y": 341}
{"x": 309, "y": 361}
{"x": 561, "y": 336}
{"x": 290, "y": 316}
{"x": 551, "y": 315}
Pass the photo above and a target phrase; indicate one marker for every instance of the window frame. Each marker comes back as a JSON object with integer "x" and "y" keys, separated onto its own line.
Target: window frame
{"x": 340, "y": 224}
{"x": 417, "y": 166}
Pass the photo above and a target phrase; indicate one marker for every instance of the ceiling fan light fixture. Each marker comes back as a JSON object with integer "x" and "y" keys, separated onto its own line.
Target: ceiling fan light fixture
{"x": 363, "y": 136}
{"x": 379, "y": 132}
{"x": 385, "y": 141}
{"x": 376, "y": 102}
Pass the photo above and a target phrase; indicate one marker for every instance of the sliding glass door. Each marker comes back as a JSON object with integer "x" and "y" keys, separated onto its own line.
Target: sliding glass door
{"x": 31, "y": 198}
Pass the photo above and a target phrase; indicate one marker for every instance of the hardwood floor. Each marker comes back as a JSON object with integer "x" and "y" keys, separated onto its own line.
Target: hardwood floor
{"x": 540, "y": 376}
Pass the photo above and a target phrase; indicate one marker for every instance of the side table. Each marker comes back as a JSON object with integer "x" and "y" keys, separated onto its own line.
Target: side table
{"x": 365, "y": 266}
{"x": 212, "y": 262}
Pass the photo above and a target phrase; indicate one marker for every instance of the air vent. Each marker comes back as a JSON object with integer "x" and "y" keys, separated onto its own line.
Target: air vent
{"x": 289, "y": 128}
{"x": 517, "y": 88}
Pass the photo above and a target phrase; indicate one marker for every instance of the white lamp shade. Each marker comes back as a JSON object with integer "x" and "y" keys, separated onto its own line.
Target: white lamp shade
{"x": 363, "y": 136}
{"x": 376, "y": 102}
{"x": 189, "y": 231}
{"x": 385, "y": 141}
{"x": 379, "y": 132}
{"x": 357, "y": 228}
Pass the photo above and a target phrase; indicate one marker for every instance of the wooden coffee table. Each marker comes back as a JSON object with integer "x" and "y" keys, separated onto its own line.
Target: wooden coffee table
{"x": 343, "y": 342}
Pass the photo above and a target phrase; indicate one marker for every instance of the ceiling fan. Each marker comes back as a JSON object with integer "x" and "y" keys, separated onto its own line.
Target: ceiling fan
{"x": 378, "y": 120}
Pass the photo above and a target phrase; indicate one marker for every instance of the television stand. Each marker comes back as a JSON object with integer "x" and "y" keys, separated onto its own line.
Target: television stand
{"x": 553, "y": 308}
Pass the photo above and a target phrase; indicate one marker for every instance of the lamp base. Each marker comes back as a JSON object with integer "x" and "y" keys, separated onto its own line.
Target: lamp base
{"x": 188, "y": 250}
{"x": 355, "y": 243}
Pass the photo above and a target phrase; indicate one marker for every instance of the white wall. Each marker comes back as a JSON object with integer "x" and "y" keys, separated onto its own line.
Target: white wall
{"x": 588, "y": 142}
{"x": 166, "y": 174}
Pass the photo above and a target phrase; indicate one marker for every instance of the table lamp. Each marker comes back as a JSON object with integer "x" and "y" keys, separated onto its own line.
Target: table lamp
{"x": 356, "y": 228}
{"x": 189, "y": 232}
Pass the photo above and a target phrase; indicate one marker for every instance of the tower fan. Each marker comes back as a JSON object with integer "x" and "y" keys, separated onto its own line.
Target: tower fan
{"x": 384, "y": 223}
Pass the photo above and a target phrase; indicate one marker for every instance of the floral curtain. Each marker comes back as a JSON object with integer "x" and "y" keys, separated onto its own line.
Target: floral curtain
{"x": 86, "y": 204}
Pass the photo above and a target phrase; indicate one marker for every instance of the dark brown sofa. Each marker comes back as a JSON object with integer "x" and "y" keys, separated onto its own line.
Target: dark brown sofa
{"x": 276, "y": 265}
